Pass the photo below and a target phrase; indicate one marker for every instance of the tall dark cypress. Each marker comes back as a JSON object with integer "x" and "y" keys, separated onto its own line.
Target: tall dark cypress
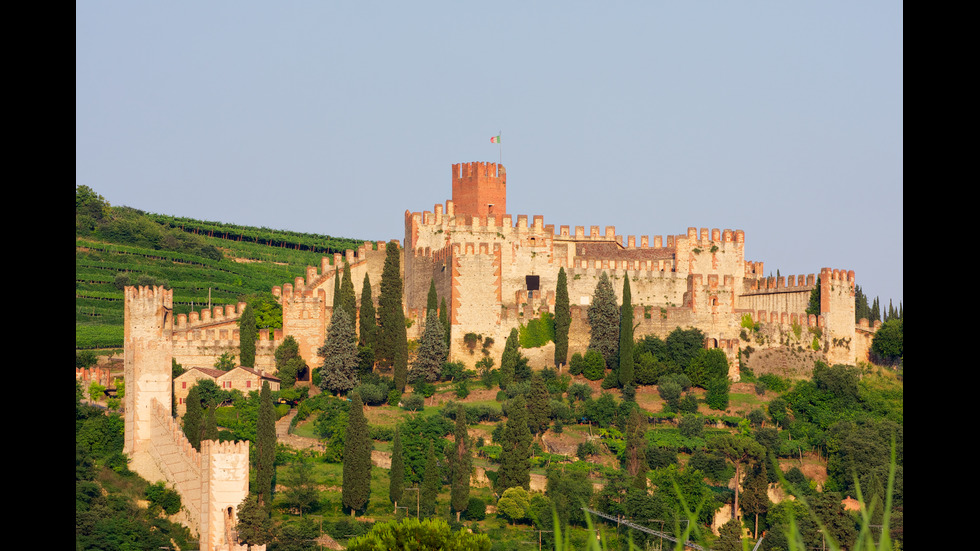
{"x": 193, "y": 417}
{"x": 265, "y": 447}
{"x": 431, "y": 482}
{"x": 348, "y": 300}
{"x": 538, "y": 405}
{"x": 396, "y": 476}
{"x": 461, "y": 463}
{"x": 357, "y": 458}
{"x": 209, "y": 429}
{"x": 367, "y": 316}
{"x": 432, "y": 299}
{"x": 392, "y": 349}
{"x": 626, "y": 371}
{"x": 246, "y": 337}
{"x": 515, "y": 457}
{"x": 563, "y": 319}
{"x": 444, "y": 320}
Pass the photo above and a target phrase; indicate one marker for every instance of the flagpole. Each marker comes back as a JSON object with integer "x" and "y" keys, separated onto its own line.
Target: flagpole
{"x": 500, "y": 147}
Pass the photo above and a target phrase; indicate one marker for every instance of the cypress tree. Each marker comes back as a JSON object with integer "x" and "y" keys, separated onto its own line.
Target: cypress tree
{"x": 432, "y": 351}
{"x": 626, "y": 336}
{"x": 603, "y": 317}
{"x": 357, "y": 458}
{"x": 392, "y": 349}
{"x": 193, "y": 417}
{"x": 563, "y": 319}
{"x": 509, "y": 359}
{"x": 246, "y": 337}
{"x": 339, "y": 372}
{"x": 396, "y": 476}
{"x": 538, "y": 405}
{"x": 432, "y": 300}
{"x": 461, "y": 463}
{"x": 444, "y": 319}
{"x": 209, "y": 429}
{"x": 367, "y": 316}
{"x": 348, "y": 300}
{"x": 431, "y": 481}
{"x": 265, "y": 447}
{"x": 515, "y": 457}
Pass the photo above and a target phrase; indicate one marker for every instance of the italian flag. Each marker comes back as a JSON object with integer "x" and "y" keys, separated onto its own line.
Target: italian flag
{"x": 495, "y": 139}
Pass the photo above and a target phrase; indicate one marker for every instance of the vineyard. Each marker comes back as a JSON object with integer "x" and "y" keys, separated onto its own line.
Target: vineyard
{"x": 203, "y": 262}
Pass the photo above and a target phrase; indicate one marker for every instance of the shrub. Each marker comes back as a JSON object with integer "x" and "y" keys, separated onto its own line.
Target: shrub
{"x": 476, "y": 509}
{"x": 161, "y": 496}
{"x": 595, "y": 365}
{"x": 415, "y": 402}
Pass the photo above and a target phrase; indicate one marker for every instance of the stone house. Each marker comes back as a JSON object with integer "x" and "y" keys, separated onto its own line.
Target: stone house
{"x": 241, "y": 378}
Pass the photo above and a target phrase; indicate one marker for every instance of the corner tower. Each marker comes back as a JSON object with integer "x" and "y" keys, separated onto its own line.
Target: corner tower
{"x": 479, "y": 188}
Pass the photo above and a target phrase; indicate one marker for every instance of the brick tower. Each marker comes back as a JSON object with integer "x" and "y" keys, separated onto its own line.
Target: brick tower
{"x": 479, "y": 188}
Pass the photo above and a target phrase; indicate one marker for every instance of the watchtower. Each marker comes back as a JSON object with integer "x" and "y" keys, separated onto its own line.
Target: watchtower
{"x": 479, "y": 188}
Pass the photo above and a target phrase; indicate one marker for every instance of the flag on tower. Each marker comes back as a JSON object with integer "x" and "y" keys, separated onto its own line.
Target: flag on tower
{"x": 495, "y": 139}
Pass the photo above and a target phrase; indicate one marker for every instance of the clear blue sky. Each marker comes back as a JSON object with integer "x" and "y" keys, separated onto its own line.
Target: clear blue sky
{"x": 782, "y": 119}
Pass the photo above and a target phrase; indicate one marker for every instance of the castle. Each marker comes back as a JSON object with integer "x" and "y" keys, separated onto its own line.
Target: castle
{"x": 497, "y": 271}
{"x": 494, "y": 275}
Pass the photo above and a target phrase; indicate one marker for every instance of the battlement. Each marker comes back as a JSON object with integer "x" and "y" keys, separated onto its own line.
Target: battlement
{"x": 784, "y": 283}
{"x": 216, "y": 315}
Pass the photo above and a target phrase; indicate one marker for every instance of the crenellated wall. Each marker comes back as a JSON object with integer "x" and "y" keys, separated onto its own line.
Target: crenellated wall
{"x": 212, "y": 482}
{"x": 486, "y": 260}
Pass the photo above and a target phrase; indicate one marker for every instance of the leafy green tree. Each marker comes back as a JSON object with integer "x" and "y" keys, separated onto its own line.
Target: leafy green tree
{"x": 603, "y": 315}
{"x": 289, "y": 364}
{"x": 368, "y": 317}
{"x": 392, "y": 348}
{"x": 338, "y": 372}
{"x": 515, "y": 466}
{"x": 164, "y": 498}
{"x": 739, "y": 450}
{"x": 717, "y": 395}
{"x": 265, "y": 447}
{"x": 420, "y": 535}
{"x": 886, "y": 345}
{"x": 755, "y": 497}
{"x": 225, "y": 362}
{"x": 626, "y": 372}
{"x": 634, "y": 458}
{"x": 682, "y": 345}
{"x": 431, "y": 483}
{"x": 193, "y": 417}
{"x": 594, "y": 365}
{"x": 563, "y": 318}
{"x": 247, "y": 335}
{"x": 461, "y": 463}
{"x": 707, "y": 364}
{"x": 569, "y": 491}
{"x": 396, "y": 474}
{"x": 432, "y": 352}
{"x": 357, "y": 458}
{"x": 729, "y": 537}
{"x": 514, "y": 503}
{"x": 301, "y": 490}
{"x": 254, "y": 527}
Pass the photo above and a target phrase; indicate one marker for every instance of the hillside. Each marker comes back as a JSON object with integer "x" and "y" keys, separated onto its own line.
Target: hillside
{"x": 203, "y": 262}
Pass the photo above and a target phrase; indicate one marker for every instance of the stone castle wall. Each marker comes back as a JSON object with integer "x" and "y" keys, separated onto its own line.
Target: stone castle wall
{"x": 212, "y": 482}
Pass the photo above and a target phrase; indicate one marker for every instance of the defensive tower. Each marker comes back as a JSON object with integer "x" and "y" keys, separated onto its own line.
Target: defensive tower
{"x": 479, "y": 188}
